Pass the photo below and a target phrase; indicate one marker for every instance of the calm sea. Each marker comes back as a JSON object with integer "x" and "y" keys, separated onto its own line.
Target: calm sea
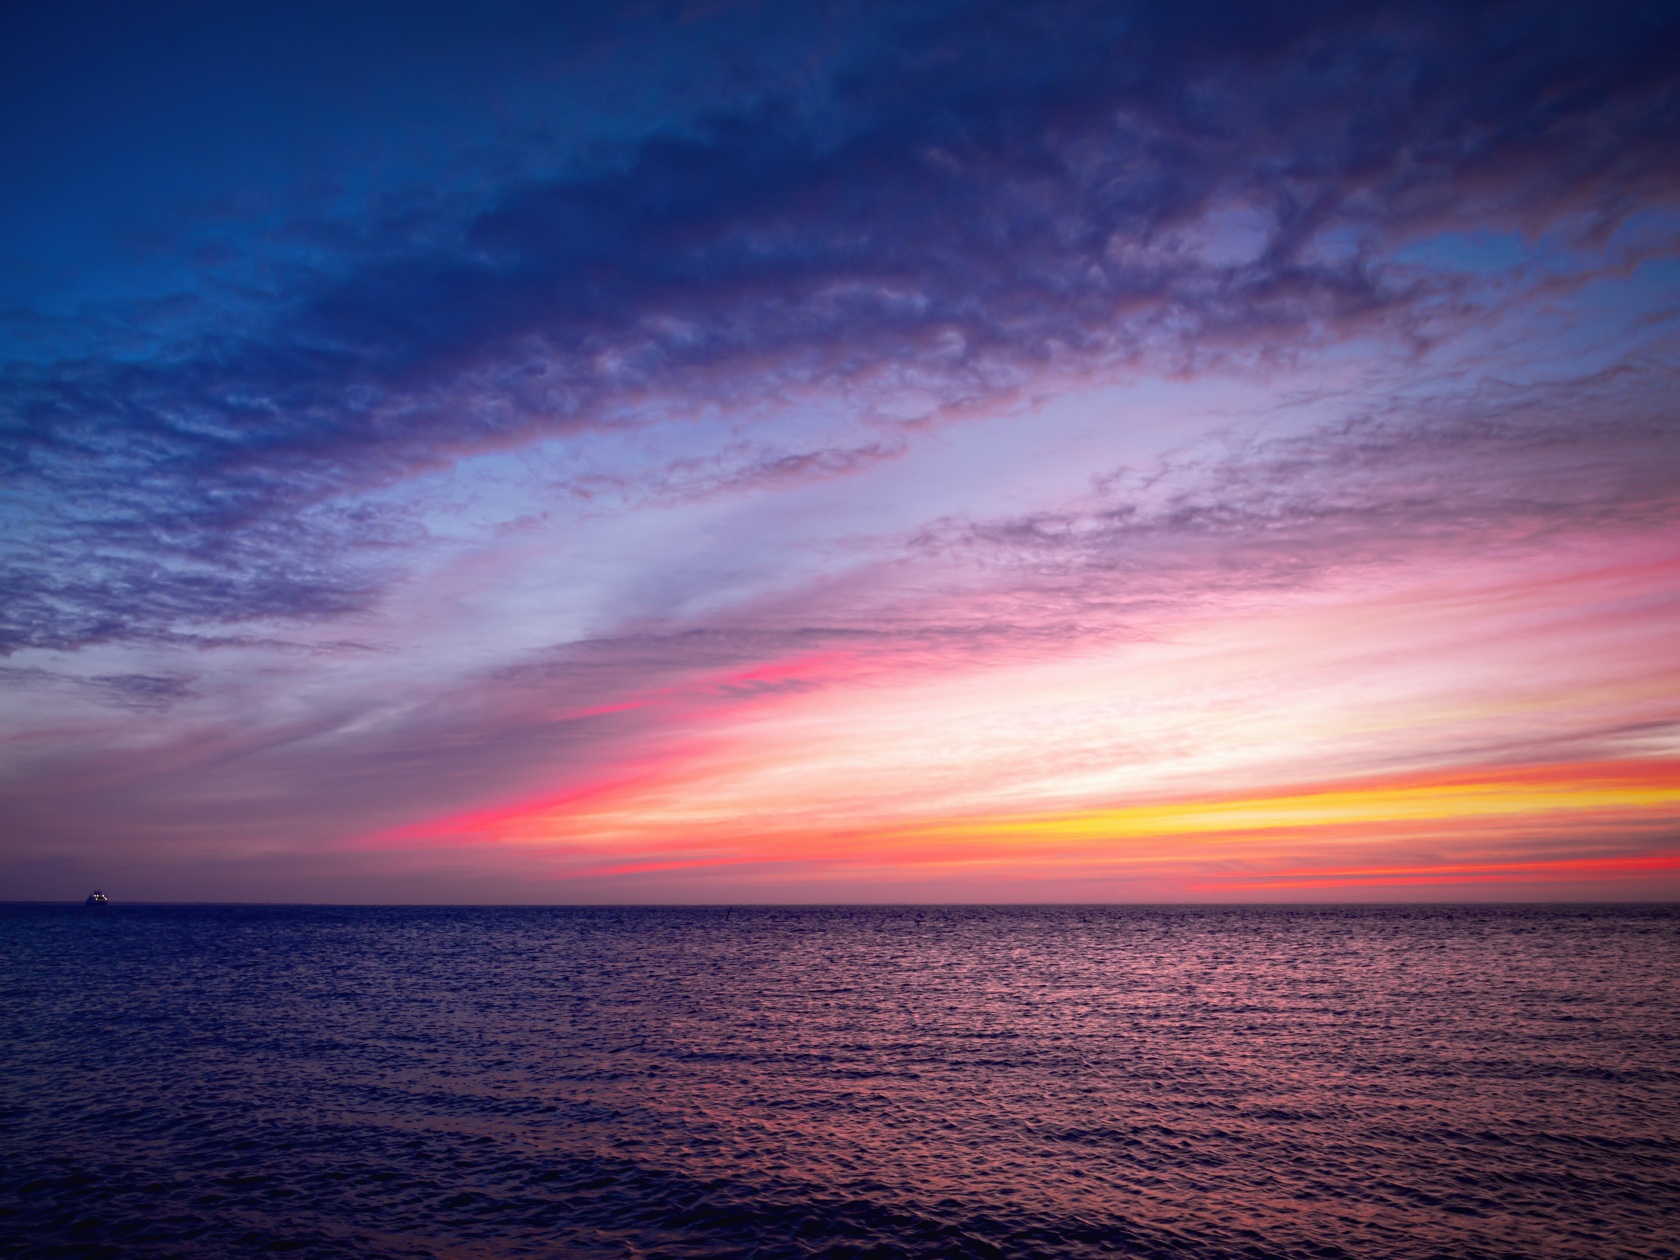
{"x": 1019, "y": 1082}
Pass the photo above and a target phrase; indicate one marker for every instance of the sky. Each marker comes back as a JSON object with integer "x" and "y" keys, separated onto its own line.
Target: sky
{"x": 937, "y": 451}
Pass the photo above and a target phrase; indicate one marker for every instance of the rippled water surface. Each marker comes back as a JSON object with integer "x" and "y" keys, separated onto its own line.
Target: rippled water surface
{"x": 210, "y": 1081}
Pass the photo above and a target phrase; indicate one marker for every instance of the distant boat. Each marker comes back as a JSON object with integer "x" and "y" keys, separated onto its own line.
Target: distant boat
{"x": 97, "y": 898}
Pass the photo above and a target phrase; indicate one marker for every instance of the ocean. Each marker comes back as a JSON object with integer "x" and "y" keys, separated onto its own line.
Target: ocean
{"x": 1170, "y": 1082}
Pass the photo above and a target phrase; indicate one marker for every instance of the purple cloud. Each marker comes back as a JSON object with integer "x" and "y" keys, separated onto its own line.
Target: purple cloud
{"x": 967, "y": 200}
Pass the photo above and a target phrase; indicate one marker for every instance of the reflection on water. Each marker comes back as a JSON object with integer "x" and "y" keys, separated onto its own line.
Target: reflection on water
{"x": 1191, "y": 1082}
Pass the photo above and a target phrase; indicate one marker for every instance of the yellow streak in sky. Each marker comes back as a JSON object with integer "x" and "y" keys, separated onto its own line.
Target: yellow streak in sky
{"x": 1355, "y": 807}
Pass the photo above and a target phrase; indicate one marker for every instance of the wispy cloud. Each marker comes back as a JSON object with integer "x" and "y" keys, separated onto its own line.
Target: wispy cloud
{"x": 988, "y": 194}
{"x": 142, "y": 692}
{"x": 1493, "y": 467}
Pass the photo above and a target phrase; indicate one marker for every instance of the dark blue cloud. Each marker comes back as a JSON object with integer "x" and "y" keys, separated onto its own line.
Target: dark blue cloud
{"x": 141, "y": 692}
{"x": 973, "y": 192}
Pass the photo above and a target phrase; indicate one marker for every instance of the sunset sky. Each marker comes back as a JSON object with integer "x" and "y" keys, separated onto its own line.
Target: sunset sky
{"x": 750, "y": 452}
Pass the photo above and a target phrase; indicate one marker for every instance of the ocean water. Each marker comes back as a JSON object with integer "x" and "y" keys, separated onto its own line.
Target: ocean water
{"x": 954, "y": 1082}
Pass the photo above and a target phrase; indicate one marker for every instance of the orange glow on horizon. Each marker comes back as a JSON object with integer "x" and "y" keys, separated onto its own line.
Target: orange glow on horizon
{"x": 968, "y": 767}
{"x": 1487, "y": 872}
{"x": 1597, "y": 819}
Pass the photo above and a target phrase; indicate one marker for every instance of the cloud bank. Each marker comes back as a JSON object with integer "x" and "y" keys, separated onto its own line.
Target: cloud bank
{"x": 979, "y": 196}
